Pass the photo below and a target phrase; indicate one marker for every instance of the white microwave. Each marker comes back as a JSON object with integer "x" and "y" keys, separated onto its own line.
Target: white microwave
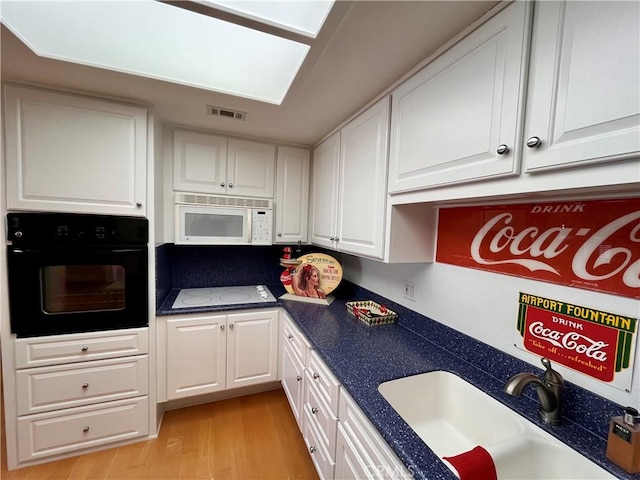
{"x": 217, "y": 220}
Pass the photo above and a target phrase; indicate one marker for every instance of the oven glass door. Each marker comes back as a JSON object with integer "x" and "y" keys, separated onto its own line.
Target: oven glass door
{"x": 212, "y": 225}
{"x": 70, "y": 290}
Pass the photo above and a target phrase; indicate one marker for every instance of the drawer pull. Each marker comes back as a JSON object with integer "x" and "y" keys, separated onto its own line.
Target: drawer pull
{"x": 84, "y": 348}
{"x": 231, "y": 326}
{"x": 314, "y": 410}
{"x": 85, "y": 385}
{"x": 316, "y": 375}
{"x": 312, "y": 449}
{"x": 221, "y": 327}
{"x": 85, "y": 429}
{"x": 299, "y": 378}
{"x": 289, "y": 337}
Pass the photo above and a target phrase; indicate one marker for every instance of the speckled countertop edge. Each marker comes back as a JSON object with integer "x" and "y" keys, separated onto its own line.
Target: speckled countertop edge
{"x": 362, "y": 357}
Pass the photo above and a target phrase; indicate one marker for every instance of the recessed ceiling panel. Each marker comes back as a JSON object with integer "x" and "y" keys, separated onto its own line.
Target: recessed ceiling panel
{"x": 157, "y": 40}
{"x": 303, "y": 17}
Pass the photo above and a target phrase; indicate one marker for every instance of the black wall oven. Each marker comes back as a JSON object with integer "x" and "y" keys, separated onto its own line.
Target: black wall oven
{"x": 71, "y": 273}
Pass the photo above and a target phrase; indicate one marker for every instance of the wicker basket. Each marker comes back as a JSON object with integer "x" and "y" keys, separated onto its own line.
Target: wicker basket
{"x": 371, "y": 313}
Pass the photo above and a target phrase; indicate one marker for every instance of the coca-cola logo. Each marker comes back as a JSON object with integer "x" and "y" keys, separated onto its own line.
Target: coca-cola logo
{"x": 534, "y": 248}
{"x": 578, "y": 342}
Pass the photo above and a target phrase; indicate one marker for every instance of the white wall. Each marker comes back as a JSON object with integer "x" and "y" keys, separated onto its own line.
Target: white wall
{"x": 484, "y": 305}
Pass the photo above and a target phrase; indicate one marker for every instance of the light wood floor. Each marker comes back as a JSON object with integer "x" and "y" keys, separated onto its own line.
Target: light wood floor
{"x": 247, "y": 438}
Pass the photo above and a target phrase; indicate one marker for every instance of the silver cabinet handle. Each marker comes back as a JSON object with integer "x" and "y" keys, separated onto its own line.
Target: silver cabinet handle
{"x": 231, "y": 326}
{"x": 289, "y": 337}
{"x": 534, "y": 142}
{"x": 230, "y": 185}
{"x": 312, "y": 449}
{"x": 85, "y": 429}
{"x": 337, "y": 239}
{"x": 279, "y": 234}
{"x": 84, "y": 348}
{"x": 502, "y": 149}
{"x": 332, "y": 239}
{"x": 314, "y": 410}
{"x": 138, "y": 204}
{"x": 316, "y": 376}
{"x": 299, "y": 378}
{"x": 221, "y": 327}
{"x": 222, "y": 184}
{"x": 85, "y": 385}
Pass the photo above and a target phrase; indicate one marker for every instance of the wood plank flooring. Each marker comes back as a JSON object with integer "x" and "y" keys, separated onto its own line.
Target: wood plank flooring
{"x": 247, "y": 438}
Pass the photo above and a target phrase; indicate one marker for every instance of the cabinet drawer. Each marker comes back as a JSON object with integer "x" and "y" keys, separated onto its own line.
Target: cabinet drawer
{"x": 324, "y": 419}
{"x": 81, "y": 347}
{"x": 296, "y": 339}
{"x": 46, "y": 434}
{"x": 64, "y": 386}
{"x": 327, "y": 385}
{"x": 321, "y": 459}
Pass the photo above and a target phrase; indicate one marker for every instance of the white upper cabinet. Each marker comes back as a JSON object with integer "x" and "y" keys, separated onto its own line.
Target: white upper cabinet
{"x": 324, "y": 191}
{"x": 348, "y": 198}
{"x": 199, "y": 162}
{"x": 292, "y": 195}
{"x": 458, "y": 119}
{"x": 584, "y": 84}
{"x": 364, "y": 147}
{"x": 208, "y": 163}
{"x": 73, "y": 153}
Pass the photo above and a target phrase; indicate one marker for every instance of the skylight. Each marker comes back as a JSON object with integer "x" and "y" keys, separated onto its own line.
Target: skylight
{"x": 302, "y": 17}
{"x": 161, "y": 41}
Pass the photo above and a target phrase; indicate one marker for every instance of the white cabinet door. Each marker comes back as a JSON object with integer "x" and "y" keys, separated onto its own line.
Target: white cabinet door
{"x": 449, "y": 120}
{"x": 199, "y": 162}
{"x": 196, "y": 355}
{"x": 251, "y": 168}
{"x": 74, "y": 154}
{"x": 252, "y": 348}
{"x": 324, "y": 192}
{"x": 292, "y": 195}
{"x": 363, "y": 182}
{"x": 208, "y": 163}
{"x": 293, "y": 381}
{"x": 584, "y": 86}
{"x": 349, "y": 465}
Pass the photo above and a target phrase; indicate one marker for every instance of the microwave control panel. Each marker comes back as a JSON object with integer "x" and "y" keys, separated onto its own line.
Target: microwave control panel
{"x": 261, "y": 227}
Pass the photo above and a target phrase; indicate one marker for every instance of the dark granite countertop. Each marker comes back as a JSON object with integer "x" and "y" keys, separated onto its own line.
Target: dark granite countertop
{"x": 362, "y": 357}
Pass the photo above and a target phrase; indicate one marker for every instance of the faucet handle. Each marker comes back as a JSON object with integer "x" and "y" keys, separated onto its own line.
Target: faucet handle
{"x": 551, "y": 376}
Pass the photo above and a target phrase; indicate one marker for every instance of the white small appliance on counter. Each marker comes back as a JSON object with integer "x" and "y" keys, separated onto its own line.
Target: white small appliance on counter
{"x": 222, "y": 296}
{"x": 221, "y": 220}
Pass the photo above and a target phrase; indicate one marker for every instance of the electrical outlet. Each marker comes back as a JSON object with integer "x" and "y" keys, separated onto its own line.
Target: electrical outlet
{"x": 409, "y": 290}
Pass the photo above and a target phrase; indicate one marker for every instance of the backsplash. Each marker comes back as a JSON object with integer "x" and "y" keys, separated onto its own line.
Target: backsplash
{"x": 193, "y": 266}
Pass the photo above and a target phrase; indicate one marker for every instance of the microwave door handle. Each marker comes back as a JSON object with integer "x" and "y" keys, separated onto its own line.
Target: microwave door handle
{"x": 249, "y": 233}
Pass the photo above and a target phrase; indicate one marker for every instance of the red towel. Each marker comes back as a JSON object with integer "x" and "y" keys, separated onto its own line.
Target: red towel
{"x": 476, "y": 464}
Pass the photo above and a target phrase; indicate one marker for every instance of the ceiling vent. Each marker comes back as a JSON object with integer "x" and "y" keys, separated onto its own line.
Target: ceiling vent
{"x": 225, "y": 112}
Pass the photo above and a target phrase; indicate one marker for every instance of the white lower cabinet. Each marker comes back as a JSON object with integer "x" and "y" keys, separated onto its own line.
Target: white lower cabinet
{"x": 80, "y": 391}
{"x": 342, "y": 442}
{"x": 54, "y": 433}
{"x": 208, "y": 353}
{"x": 362, "y": 449}
{"x": 294, "y": 354}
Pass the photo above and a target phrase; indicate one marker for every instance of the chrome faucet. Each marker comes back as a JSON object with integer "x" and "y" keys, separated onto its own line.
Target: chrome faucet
{"x": 549, "y": 389}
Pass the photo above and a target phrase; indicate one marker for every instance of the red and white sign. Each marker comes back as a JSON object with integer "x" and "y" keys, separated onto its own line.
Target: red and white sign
{"x": 593, "y": 245}
{"x": 594, "y": 342}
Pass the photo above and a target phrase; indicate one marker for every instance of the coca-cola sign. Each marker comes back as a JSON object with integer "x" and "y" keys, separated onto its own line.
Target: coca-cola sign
{"x": 597, "y": 343}
{"x": 593, "y": 245}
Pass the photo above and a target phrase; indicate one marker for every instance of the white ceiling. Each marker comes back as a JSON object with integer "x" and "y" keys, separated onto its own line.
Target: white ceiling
{"x": 363, "y": 48}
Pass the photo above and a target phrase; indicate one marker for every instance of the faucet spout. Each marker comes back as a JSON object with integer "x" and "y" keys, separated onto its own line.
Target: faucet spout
{"x": 549, "y": 389}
